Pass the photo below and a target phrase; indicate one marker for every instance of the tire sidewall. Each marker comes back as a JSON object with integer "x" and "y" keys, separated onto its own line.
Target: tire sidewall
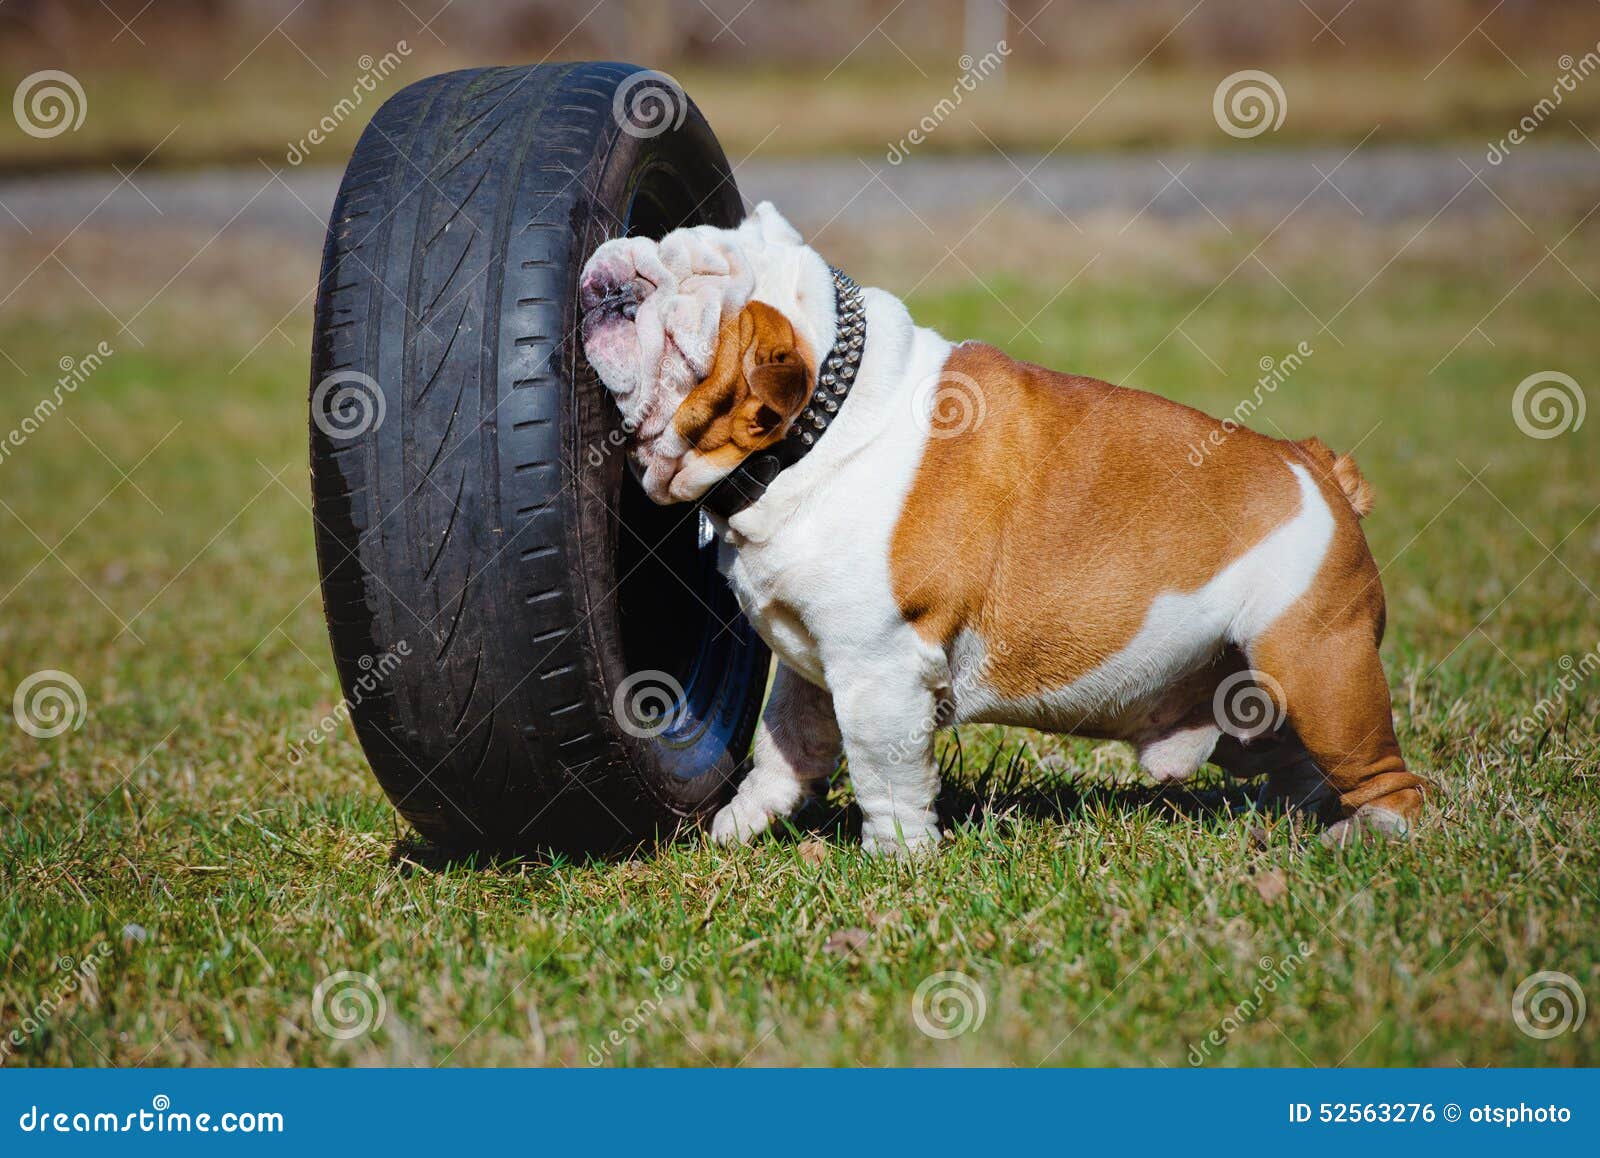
{"x": 691, "y": 155}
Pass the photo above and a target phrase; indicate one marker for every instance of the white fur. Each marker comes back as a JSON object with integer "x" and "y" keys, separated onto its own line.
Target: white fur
{"x": 797, "y": 746}
{"x": 810, "y": 566}
{"x": 809, "y": 562}
{"x": 691, "y": 281}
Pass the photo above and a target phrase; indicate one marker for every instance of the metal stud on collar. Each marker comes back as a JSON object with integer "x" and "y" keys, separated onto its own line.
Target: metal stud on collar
{"x": 838, "y": 370}
{"x": 835, "y": 375}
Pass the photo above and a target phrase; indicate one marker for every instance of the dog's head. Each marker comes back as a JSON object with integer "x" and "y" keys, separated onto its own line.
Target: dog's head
{"x": 709, "y": 342}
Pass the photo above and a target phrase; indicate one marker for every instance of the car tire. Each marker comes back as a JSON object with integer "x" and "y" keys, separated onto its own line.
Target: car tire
{"x": 533, "y": 654}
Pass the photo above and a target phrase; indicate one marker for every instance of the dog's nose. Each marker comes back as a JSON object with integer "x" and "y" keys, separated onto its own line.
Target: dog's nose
{"x": 592, "y": 291}
{"x": 601, "y": 295}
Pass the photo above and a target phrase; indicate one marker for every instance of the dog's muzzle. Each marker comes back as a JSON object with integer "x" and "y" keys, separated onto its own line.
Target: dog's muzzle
{"x": 605, "y": 304}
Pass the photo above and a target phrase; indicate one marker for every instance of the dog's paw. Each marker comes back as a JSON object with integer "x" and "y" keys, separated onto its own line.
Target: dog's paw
{"x": 739, "y": 821}
{"x": 1370, "y": 823}
{"x": 900, "y": 841}
{"x": 1298, "y": 789}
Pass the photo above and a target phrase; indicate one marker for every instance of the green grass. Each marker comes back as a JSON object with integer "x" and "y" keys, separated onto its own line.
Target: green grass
{"x": 1103, "y": 922}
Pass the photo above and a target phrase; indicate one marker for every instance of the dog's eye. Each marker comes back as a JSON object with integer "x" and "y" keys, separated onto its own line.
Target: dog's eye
{"x": 781, "y": 357}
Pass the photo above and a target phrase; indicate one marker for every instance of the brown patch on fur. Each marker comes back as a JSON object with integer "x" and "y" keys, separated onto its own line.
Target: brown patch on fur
{"x": 1055, "y": 522}
{"x": 1050, "y": 527}
{"x": 1344, "y": 472}
{"x": 759, "y": 381}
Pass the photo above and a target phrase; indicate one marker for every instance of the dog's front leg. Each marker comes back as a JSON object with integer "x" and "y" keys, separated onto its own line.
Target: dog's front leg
{"x": 888, "y": 719}
{"x": 796, "y": 750}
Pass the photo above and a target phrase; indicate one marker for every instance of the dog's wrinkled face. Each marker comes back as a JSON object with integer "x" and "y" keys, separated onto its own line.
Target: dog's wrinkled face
{"x": 759, "y": 381}
{"x": 708, "y": 342}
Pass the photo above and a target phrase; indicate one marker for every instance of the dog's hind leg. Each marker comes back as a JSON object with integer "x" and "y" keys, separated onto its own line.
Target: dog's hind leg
{"x": 796, "y": 750}
{"x": 1331, "y": 683}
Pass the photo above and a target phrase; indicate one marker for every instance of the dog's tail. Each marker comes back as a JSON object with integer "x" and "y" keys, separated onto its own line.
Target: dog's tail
{"x": 1357, "y": 490}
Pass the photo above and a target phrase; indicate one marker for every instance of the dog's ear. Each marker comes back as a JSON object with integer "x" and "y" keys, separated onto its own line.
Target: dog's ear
{"x": 769, "y": 226}
{"x": 718, "y": 392}
{"x": 781, "y": 388}
{"x": 758, "y": 383}
{"x": 776, "y": 370}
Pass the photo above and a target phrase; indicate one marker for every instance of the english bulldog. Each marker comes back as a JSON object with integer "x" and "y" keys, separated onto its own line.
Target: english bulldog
{"x": 929, "y": 533}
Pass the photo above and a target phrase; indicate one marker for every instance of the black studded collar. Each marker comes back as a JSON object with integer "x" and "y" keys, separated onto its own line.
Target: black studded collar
{"x": 750, "y": 480}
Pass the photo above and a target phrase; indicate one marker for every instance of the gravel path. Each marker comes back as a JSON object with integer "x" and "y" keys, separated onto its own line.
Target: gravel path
{"x": 1385, "y": 184}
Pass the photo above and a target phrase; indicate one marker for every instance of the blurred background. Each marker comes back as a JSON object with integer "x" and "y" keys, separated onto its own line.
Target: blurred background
{"x": 1369, "y": 220}
{"x": 244, "y": 77}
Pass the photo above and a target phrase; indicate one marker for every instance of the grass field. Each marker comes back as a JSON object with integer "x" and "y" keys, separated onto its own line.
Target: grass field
{"x": 157, "y": 547}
